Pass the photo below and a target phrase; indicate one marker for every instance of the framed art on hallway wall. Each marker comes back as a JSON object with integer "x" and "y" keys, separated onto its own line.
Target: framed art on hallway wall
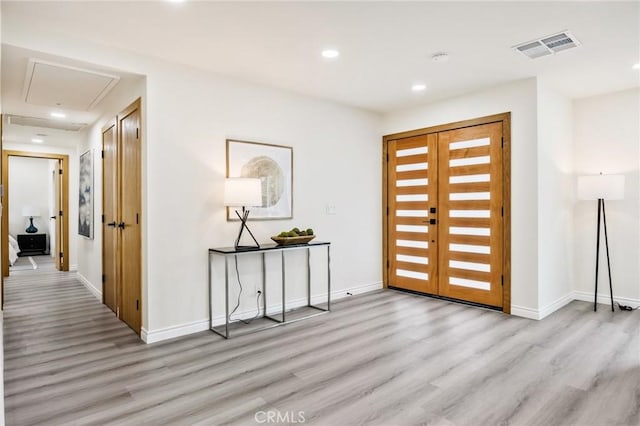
{"x": 85, "y": 195}
{"x": 273, "y": 165}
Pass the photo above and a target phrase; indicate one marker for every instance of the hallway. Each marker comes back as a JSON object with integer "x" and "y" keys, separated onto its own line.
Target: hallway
{"x": 55, "y": 335}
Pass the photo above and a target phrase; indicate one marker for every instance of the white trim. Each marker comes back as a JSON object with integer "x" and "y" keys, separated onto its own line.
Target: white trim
{"x": 73, "y": 268}
{"x": 524, "y": 312}
{"x": 97, "y": 293}
{"x": 173, "y": 331}
{"x": 152, "y": 336}
{"x": 584, "y": 296}
{"x": 604, "y": 298}
{"x": 554, "y": 306}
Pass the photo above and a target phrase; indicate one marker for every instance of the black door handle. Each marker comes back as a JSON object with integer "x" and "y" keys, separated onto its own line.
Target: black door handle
{"x": 121, "y": 225}
{"x": 52, "y": 217}
{"x": 112, "y": 224}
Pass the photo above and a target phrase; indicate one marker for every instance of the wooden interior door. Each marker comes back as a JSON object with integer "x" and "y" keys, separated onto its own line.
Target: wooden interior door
{"x": 129, "y": 207}
{"x": 110, "y": 215}
{"x": 57, "y": 200}
{"x": 470, "y": 214}
{"x": 412, "y": 194}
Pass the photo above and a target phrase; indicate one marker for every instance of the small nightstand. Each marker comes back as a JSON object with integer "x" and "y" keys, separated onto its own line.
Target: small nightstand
{"x": 32, "y": 243}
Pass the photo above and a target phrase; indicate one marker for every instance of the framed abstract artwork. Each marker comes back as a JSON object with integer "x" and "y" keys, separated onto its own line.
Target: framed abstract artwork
{"x": 273, "y": 165}
{"x": 85, "y": 196}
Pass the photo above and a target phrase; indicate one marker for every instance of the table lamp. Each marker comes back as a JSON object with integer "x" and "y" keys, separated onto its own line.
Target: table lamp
{"x": 243, "y": 192}
{"x": 30, "y": 212}
{"x": 601, "y": 187}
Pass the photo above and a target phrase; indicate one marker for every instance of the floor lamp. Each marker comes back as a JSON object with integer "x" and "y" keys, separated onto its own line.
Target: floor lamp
{"x": 601, "y": 187}
{"x": 243, "y": 192}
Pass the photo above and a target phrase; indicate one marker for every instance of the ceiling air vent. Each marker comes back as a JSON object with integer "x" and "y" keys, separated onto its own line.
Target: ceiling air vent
{"x": 21, "y": 120}
{"x": 548, "y": 45}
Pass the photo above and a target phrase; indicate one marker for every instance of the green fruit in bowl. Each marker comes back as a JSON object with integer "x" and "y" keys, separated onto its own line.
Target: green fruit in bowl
{"x": 309, "y": 231}
{"x": 302, "y": 233}
{"x": 292, "y": 234}
{"x": 283, "y": 234}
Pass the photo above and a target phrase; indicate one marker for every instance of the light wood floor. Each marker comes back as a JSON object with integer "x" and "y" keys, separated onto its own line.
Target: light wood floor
{"x": 385, "y": 358}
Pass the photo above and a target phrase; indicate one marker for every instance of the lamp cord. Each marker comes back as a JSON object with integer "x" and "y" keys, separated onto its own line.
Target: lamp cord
{"x": 235, "y": 258}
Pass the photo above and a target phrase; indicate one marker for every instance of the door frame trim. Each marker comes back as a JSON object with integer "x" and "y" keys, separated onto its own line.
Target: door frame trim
{"x": 5, "y": 205}
{"x": 505, "y": 118}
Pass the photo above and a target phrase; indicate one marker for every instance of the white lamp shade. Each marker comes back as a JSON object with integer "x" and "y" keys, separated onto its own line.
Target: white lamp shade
{"x": 30, "y": 211}
{"x": 243, "y": 192}
{"x": 607, "y": 187}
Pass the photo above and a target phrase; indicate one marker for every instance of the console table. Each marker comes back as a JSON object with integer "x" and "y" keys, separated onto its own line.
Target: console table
{"x": 228, "y": 252}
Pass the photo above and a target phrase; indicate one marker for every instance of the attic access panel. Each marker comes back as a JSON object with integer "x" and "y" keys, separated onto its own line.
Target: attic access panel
{"x": 62, "y": 86}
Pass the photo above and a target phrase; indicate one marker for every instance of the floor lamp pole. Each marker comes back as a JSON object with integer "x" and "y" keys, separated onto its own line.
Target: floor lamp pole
{"x": 601, "y": 209}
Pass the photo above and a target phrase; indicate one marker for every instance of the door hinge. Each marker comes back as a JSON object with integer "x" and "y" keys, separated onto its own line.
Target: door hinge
{"x": 61, "y": 255}
{"x": 102, "y": 218}
{"x": 502, "y": 211}
{"x": 104, "y": 278}
{"x": 387, "y": 210}
{"x": 60, "y": 171}
{"x": 387, "y": 158}
{"x": 137, "y": 133}
{"x": 502, "y": 280}
{"x": 137, "y": 221}
{"x": 503, "y": 142}
{"x": 137, "y": 305}
{"x": 387, "y": 263}
{"x": 102, "y": 154}
{"x": 60, "y": 212}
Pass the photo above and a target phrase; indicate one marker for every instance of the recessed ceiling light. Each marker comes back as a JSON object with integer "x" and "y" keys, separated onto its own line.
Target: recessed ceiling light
{"x": 419, "y": 87}
{"x": 36, "y": 140}
{"x": 440, "y": 57}
{"x": 636, "y": 66}
{"x": 58, "y": 115}
{"x": 330, "y": 53}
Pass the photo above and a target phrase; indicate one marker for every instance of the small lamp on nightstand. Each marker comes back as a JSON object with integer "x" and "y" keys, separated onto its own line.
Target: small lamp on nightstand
{"x": 30, "y": 212}
{"x": 243, "y": 192}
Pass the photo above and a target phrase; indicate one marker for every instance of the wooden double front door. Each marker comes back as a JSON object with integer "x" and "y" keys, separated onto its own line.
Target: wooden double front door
{"x": 445, "y": 213}
{"x": 121, "y": 220}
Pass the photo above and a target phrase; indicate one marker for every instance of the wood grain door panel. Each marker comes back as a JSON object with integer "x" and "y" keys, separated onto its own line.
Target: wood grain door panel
{"x": 412, "y": 192}
{"x": 110, "y": 215}
{"x": 470, "y": 188}
{"x": 130, "y": 230}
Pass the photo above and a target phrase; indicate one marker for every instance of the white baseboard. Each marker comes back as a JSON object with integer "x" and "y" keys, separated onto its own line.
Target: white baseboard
{"x": 73, "y": 268}
{"x": 173, "y": 331}
{"x": 585, "y": 296}
{"x": 97, "y": 293}
{"x": 545, "y": 311}
{"x": 604, "y": 299}
{"x": 152, "y": 336}
{"x": 524, "y": 312}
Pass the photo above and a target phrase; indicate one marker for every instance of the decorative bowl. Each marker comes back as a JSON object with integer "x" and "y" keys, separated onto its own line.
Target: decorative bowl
{"x": 285, "y": 241}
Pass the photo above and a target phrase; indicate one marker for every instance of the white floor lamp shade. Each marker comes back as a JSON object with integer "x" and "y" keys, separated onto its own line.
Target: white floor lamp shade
{"x": 605, "y": 187}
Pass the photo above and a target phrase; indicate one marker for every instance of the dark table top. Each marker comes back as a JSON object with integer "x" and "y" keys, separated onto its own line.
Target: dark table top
{"x": 266, "y": 247}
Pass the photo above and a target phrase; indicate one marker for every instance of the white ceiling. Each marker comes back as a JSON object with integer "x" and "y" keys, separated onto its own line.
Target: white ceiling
{"x": 78, "y": 94}
{"x": 385, "y": 46}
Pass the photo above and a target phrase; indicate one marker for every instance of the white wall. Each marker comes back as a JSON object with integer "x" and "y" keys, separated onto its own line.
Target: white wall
{"x": 90, "y": 250}
{"x": 555, "y": 199}
{"x": 607, "y": 140}
{"x": 336, "y": 153}
{"x": 73, "y": 189}
{"x": 519, "y": 98}
{"x": 28, "y": 186}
